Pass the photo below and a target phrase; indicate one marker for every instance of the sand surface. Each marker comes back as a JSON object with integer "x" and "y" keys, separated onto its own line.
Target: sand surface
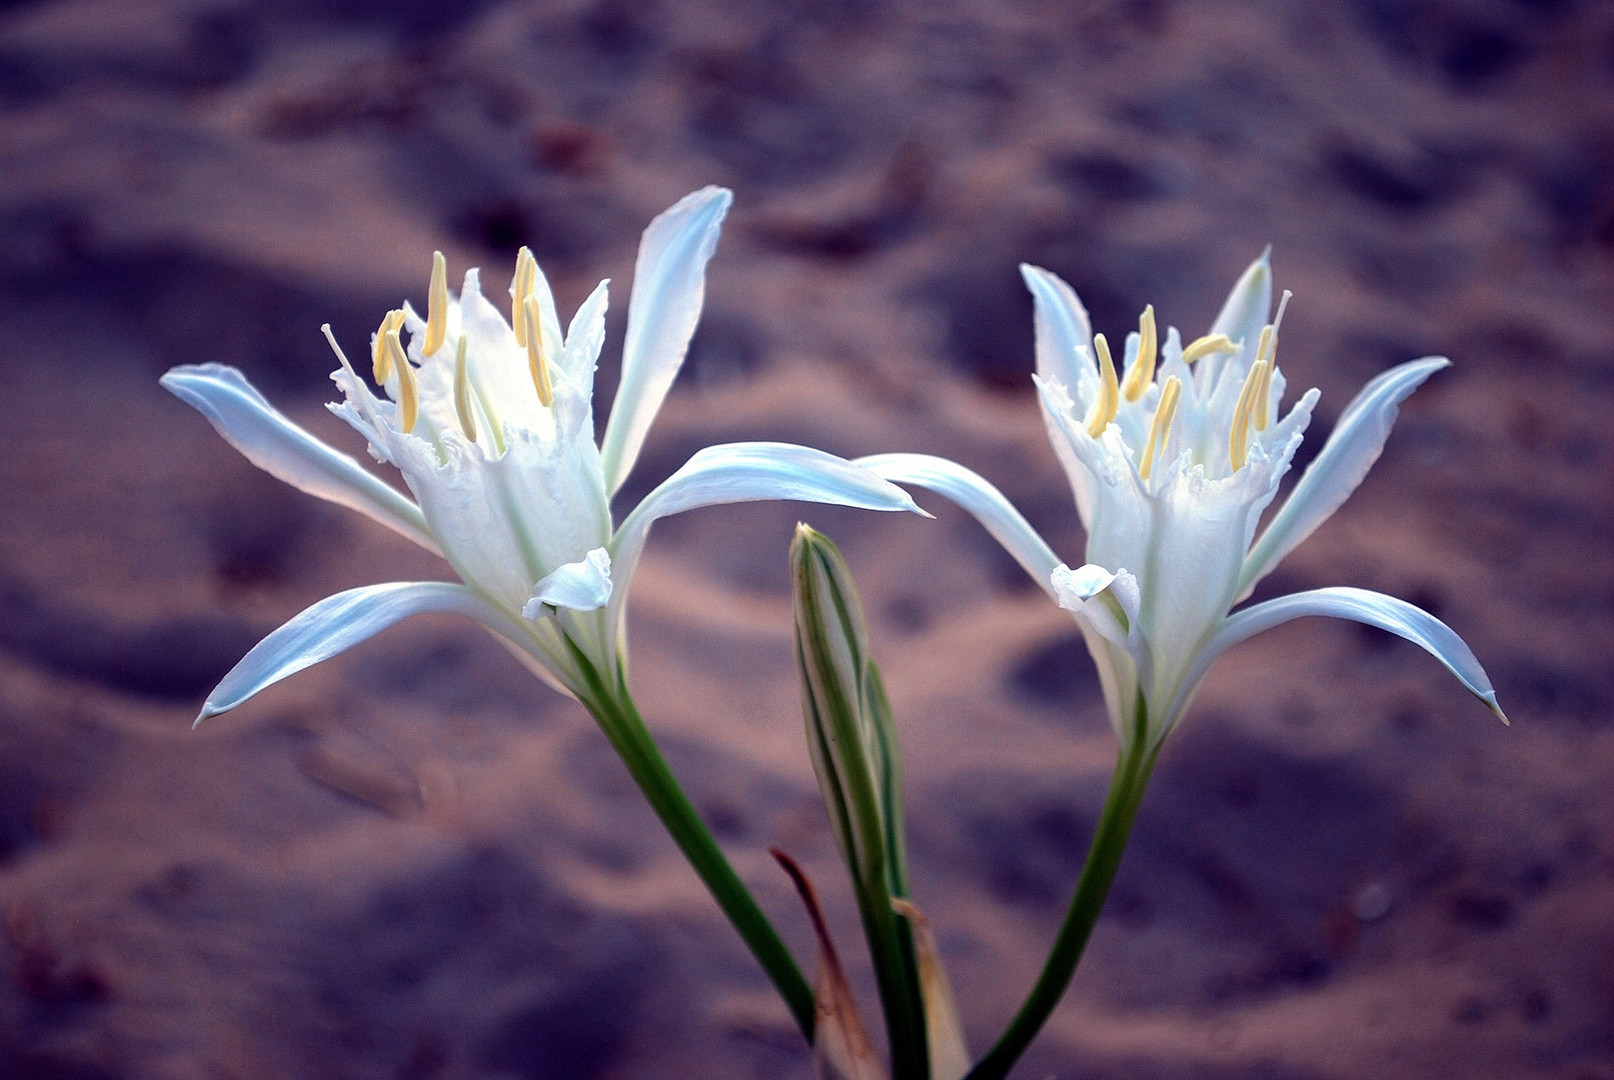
{"x": 417, "y": 862}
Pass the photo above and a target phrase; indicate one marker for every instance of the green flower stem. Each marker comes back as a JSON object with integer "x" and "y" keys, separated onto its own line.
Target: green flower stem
{"x": 619, "y": 718}
{"x": 1098, "y": 874}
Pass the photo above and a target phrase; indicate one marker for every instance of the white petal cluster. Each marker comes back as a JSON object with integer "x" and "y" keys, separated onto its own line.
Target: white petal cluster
{"x": 1172, "y": 459}
{"x": 490, "y": 423}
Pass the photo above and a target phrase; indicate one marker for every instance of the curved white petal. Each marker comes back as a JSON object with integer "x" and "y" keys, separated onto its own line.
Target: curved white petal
{"x": 1064, "y": 332}
{"x": 584, "y": 585}
{"x": 978, "y": 497}
{"x": 669, "y": 286}
{"x": 336, "y": 624}
{"x": 1244, "y": 312}
{"x": 747, "y": 472}
{"x": 1109, "y": 602}
{"x": 269, "y": 440}
{"x": 1363, "y": 606}
{"x": 1351, "y": 450}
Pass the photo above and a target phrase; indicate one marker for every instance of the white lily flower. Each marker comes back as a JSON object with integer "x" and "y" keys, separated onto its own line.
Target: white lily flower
{"x": 491, "y": 425}
{"x": 1172, "y": 460}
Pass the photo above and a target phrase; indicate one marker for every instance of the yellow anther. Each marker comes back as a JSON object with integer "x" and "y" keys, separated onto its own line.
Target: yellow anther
{"x": 520, "y": 289}
{"x": 408, "y": 397}
{"x": 462, "y": 392}
{"x": 1203, "y": 347}
{"x": 1160, "y": 428}
{"x": 380, "y": 362}
{"x": 1109, "y": 398}
{"x": 532, "y": 320}
{"x": 1261, "y": 414}
{"x": 1238, "y": 437}
{"x": 437, "y": 306}
{"x": 1141, "y": 373}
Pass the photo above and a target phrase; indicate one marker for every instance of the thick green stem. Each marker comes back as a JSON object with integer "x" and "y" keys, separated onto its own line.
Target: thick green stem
{"x": 613, "y": 707}
{"x": 1098, "y": 874}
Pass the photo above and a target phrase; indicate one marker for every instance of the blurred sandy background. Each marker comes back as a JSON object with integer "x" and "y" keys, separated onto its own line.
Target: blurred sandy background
{"x": 416, "y": 862}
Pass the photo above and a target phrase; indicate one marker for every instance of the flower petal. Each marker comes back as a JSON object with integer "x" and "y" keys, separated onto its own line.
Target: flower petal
{"x": 336, "y": 624}
{"x": 285, "y": 451}
{"x": 974, "y": 494}
{"x": 669, "y": 285}
{"x": 1357, "y": 440}
{"x": 747, "y": 472}
{"x": 1108, "y": 602}
{"x": 1244, "y": 312}
{"x": 582, "y": 586}
{"x": 1363, "y": 606}
{"x": 1064, "y": 333}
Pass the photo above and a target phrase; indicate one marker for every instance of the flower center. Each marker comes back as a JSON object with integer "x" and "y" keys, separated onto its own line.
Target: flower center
{"x": 474, "y": 405}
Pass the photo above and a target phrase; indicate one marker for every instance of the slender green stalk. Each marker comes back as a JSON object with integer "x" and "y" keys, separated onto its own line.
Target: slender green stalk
{"x": 1098, "y": 874}
{"x": 618, "y": 717}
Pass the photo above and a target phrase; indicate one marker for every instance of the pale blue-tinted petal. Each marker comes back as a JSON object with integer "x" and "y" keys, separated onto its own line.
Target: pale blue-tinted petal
{"x": 747, "y": 472}
{"x": 1244, "y": 312}
{"x": 669, "y": 285}
{"x": 1109, "y": 602}
{"x": 975, "y": 495}
{"x": 1351, "y": 450}
{"x": 1359, "y": 605}
{"x": 285, "y": 451}
{"x": 1064, "y": 333}
{"x": 336, "y": 624}
{"x": 584, "y": 585}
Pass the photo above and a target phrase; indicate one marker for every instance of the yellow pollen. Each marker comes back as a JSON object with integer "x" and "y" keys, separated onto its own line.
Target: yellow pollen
{"x": 520, "y": 289}
{"x": 531, "y": 318}
{"x": 380, "y": 362}
{"x": 408, "y": 397}
{"x": 1203, "y": 347}
{"x": 1160, "y": 428}
{"x": 1141, "y": 374}
{"x": 1109, "y": 398}
{"x": 437, "y": 306}
{"x": 462, "y": 392}
{"x": 1238, "y": 438}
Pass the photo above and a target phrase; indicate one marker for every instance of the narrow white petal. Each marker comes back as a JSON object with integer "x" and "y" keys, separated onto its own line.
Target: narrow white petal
{"x": 1064, "y": 333}
{"x": 336, "y": 624}
{"x": 285, "y": 451}
{"x": 1244, "y": 312}
{"x": 1363, "y": 606}
{"x": 747, "y": 472}
{"x": 584, "y": 585}
{"x": 978, "y": 497}
{"x": 669, "y": 286}
{"x": 1351, "y": 450}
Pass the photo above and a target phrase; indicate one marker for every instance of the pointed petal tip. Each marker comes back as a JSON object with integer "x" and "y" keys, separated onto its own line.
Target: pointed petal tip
{"x": 1490, "y": 702}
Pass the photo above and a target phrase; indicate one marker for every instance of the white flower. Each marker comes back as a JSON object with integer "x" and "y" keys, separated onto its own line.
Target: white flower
{"x": 491, "y": 425}
{"x": 1172, "y": 461}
